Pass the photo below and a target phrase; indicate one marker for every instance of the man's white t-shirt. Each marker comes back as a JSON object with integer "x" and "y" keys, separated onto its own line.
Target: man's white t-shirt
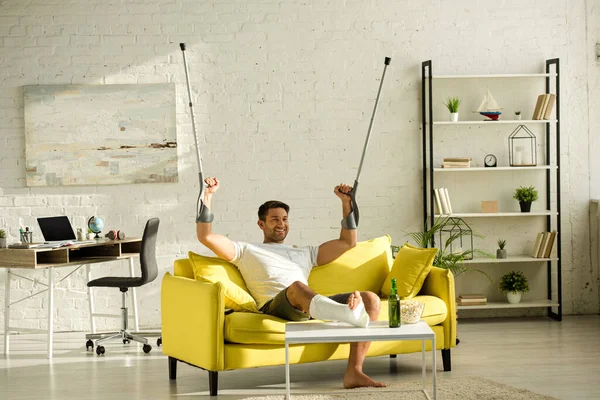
{"x": 268, "y": 268}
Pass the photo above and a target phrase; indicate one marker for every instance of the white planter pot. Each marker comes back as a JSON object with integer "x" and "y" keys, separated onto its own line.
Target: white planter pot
{"x": 454, "y": 117}
{"x": 2, "y": 243}
{"x": 514, "y": 297}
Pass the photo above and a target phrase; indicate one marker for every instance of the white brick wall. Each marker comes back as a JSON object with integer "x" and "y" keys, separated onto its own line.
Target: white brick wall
{"x": 283, "y": 94}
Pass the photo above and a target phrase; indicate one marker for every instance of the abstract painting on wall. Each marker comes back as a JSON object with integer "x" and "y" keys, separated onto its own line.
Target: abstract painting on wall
{"x": 100, "y": 134}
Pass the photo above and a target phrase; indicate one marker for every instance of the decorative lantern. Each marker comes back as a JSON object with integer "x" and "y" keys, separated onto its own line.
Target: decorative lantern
{"x": 522, "y": 145}
{"x": 459, "y": 232}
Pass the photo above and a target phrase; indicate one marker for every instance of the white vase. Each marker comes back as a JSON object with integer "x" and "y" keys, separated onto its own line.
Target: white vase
{"x": 514, "y": 297}
{"x": 454, "y": 117}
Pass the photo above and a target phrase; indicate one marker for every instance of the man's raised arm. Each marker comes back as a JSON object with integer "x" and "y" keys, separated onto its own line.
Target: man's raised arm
{"x": 331, "y": 250}
{"x": 219, "y": 244}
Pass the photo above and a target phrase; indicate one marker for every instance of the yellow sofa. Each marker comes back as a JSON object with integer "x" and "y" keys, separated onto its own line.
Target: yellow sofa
{"x": 198, "y": 329}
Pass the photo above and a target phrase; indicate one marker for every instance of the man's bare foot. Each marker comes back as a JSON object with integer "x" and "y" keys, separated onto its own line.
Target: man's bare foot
{"x": 354, "y": 379}
{"x": 354, "y": 300}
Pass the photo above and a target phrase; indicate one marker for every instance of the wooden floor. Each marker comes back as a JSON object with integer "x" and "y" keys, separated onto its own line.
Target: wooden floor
{"x": 560, "y": 359}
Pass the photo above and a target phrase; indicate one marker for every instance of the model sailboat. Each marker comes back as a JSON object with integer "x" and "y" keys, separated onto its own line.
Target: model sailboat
{"x": 489, "y": 107}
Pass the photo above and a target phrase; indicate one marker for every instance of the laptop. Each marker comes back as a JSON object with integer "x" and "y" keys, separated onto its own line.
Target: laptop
{"x": 56, "y": 229}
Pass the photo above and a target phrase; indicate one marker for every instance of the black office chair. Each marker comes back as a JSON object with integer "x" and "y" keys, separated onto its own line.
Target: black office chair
{"x": 149, "y": 272}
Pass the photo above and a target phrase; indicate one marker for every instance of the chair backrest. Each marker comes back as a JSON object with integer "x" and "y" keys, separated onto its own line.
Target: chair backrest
{"x": 148, "y": 252}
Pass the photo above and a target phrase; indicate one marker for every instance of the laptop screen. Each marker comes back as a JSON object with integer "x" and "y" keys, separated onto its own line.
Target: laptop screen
{"x": 56, "y": 228}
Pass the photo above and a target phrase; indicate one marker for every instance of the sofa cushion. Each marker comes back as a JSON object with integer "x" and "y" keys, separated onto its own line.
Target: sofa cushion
{"x": 214, "y": 270}
{"x": 410, "y": 268}
{"x": 362, "y": 268}
{"x": 252, "y": 328}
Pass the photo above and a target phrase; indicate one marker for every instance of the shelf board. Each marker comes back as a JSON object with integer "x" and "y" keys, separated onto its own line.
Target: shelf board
{"x": 543, "y": 75}
{"x": 500, "y": 121}
{"x": 492, "y": 169}
{"x": 509, "y": 259}
{"x": 501, "y": 214}
{"x": 506, "y": 304}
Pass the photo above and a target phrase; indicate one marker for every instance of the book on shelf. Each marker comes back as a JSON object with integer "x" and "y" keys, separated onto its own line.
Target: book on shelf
{"x": 538, "y": 107}
{"x": 471, "y": 300}
{"x": 544, "y": 106}
{"x": 550, "y": 244}
{"x": 549, "y": 106}
{"x": 456, "y": 162}
{"x": 543, "y": 245}
{"x": 537, "y": 244}
{"x": 441, "y": 195}
{"x": 438, "y": 201}
{"x": 447, "y": 195}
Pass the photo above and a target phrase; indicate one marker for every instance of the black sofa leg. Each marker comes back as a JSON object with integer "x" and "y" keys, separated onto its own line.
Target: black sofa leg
{"x": 213, "y": 382}
{"x": 172, "y": 368}
{"x": 446, "y": 360}
{"x": 392, "y": 356}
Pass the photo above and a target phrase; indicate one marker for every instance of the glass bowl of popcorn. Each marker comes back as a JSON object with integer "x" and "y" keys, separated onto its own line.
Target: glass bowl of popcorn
{"x": 411, "y": 311}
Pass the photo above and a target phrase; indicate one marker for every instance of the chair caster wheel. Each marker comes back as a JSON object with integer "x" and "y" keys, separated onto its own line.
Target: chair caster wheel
{"x": 126, "y": 341}
{"x": 159, "y": 342}
{"x": 100, "y": 350}
{"x": 89, "y": 345}
{"x": 147, "y": 348}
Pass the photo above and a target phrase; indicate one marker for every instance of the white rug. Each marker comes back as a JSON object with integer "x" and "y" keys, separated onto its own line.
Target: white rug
{"x": 463, "y": 388}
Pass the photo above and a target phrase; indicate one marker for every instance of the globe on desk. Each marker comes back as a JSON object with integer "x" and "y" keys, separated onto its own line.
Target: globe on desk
{"x": 96, "y": 224}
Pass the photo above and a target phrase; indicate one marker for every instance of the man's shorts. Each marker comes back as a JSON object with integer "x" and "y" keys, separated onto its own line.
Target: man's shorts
{"x": 280, "y": 307}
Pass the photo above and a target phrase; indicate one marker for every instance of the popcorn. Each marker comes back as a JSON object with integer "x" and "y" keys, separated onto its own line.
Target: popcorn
{"x": 411, "y": 311}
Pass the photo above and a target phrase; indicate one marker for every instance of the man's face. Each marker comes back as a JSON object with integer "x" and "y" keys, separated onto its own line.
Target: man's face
{"x": 275, "y": 227}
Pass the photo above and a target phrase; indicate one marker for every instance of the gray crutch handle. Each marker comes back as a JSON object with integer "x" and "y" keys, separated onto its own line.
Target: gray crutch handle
{"x": 204, "y": 214}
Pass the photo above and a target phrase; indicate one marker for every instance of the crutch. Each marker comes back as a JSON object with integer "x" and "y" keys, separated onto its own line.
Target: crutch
{"x": 351, "y": 221}
{"x": 204, "y": 214}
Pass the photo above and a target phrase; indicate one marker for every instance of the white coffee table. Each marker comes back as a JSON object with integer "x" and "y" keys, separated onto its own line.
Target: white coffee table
{"x": 339, "y": 332}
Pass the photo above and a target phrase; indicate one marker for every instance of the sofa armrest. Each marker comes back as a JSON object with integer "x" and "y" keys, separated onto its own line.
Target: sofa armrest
{"x": 192, "y": 321}
{"x": 440, "y": 283}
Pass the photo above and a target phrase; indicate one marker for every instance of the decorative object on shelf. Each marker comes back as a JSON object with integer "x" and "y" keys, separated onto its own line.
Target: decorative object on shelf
{"x": 490, "y": 161}
{"x": 513, "y": 285}
{"x": 96, "y": 224}
{"x": 471, "y": 300}
{"x": 518, "y": 115}
{"x": 522, "y": 145}
{"x": 489, "y": 107}
{"x": 442, "y": 200}
{"x": 544, "y": 242}
{"x": 489, "y": 206}
{"x": 2, "y": 239}
{"x": 447, "y": 256}
{"x": 452, "y": 104}
{"x": 501, "y": 252}
{"x": 525, "y": 196}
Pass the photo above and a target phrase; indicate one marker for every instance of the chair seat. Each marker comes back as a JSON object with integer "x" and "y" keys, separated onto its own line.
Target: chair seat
{"x": 116, "y": 281}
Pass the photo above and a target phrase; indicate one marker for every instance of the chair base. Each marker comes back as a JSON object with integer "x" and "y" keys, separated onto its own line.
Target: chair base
{"x": 122, "y": 334}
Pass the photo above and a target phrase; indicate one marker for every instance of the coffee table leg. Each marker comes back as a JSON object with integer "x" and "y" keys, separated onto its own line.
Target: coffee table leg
{"x": 287, "y": 372}
{"x": 423, "y": 373}
{"x": 433, "y": 367}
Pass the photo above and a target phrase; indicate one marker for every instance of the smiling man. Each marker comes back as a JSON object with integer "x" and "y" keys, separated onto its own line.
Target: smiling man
{"x": 276, "y": 274}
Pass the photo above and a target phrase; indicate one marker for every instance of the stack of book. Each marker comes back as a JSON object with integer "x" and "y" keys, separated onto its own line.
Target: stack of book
{"x": 544, "y": 242}
{"x": 456, "y": 162}
{"x": 543, "y": 106}
{"x": 471, "y": 300}
{"x": 442, "y": 201}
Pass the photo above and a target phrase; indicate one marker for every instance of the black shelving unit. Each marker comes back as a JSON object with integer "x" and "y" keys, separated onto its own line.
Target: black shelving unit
{"x": 552, "y": 69}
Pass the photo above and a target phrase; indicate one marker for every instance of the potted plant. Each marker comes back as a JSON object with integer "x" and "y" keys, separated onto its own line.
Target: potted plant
{"x": 2, "y": 239}
{"x": 452, "y": 103}
{"x": 513, "y": 285}
{"x": 525, "y": 196}
{"x": 517, "y": 115}
{"x": 501, "y": 252}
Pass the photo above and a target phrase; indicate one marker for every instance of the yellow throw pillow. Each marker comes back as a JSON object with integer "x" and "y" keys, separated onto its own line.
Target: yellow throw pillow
{"x": 215, "y": 270}
{"x": 410, "y": 268}
{"x": 361, "y": 268}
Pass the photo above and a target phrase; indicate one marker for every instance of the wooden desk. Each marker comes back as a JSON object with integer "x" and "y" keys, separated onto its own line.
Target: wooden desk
{"x": 103, "y": 250}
